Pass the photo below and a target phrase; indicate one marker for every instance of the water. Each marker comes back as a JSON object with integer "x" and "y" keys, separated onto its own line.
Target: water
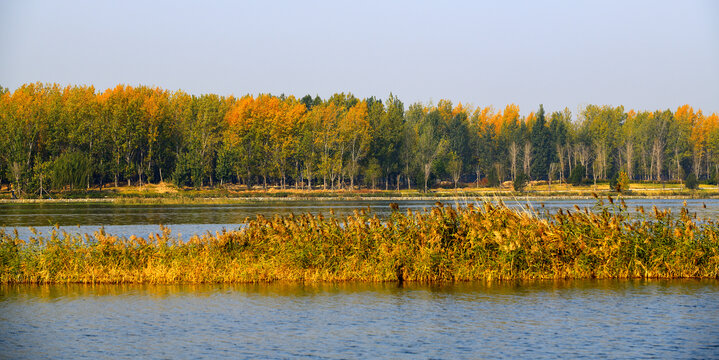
{"x": 567, "y": 319}
{"x": 189, "y": 220}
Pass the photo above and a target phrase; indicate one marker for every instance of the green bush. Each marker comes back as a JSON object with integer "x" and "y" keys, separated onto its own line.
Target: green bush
{"x": 691, "y": 182}
{"x": 623, "y": 184}
{"x": 520, "y": 182}
{"x": 577, "y": 175}
{"x": 492, "y": 178}
{"x": 614, "y": 183}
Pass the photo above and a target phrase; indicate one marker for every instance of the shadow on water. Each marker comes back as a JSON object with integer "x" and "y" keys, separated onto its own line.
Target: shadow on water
{"x": 52, "y": 292}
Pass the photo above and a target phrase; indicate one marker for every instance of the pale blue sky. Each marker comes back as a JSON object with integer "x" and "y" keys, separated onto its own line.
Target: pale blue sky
{"x": 640, "y": 54}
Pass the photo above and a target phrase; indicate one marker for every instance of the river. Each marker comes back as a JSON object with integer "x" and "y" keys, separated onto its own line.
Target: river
{"x": 567, "y": 319}
{"x": 543, "y": 319}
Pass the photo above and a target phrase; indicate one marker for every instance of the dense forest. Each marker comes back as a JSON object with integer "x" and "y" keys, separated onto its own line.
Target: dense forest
{"x": 76, "y": 137}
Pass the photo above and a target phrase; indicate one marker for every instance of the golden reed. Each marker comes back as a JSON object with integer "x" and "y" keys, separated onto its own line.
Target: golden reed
{"x": 483, "y": 242}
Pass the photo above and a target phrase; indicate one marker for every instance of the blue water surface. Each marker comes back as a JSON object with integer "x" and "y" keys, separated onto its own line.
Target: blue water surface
{"x": 630, "y": 319}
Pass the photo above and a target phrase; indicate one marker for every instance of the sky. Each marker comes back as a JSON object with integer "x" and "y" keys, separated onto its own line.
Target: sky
{"x": 644, "y": 55}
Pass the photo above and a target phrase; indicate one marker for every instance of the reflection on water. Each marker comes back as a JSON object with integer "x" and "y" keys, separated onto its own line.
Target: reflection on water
{"x": 630, "y": 319}
{"x": 189, "y": 220}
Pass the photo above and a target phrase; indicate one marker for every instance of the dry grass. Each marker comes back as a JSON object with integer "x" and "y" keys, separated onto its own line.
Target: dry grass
{"x": 484, "y": 242}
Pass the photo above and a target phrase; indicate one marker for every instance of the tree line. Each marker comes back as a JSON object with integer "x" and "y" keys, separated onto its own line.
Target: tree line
{"x": 76, "y": 137}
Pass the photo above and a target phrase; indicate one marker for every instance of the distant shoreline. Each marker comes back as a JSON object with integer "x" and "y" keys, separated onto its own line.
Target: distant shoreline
{"x": 270, "y": 198}
{"x": 168, "y": 193}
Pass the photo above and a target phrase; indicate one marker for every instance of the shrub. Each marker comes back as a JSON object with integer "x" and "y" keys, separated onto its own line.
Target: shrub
{"x": 614, "y": 183}
{"x": 492, "y": 177}
{"x": 619, "y": 182}
{"x": 577, "y": 175}
{"x": 520, "y": 182}
{"x": 691, "y": 182}
{"x": 623, "y": 182}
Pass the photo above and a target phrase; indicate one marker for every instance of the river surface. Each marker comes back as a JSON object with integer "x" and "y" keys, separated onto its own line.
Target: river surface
{"x": 186, "y": 221}
{"x": 670, "y": 319}
{"x": 565, "y": 319}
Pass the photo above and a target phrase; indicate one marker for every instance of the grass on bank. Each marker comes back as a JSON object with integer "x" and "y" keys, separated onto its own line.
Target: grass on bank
{"x": 484, "y": 242}
{"x": 167, "y": 193}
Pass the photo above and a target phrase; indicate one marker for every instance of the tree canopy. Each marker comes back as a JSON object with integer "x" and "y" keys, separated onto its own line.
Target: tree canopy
{"x": 77, "y": 137}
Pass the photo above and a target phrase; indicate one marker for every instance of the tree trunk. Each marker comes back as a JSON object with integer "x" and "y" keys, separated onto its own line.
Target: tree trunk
{"x": 139, "y": 175}
{"x": 427, "y": 168}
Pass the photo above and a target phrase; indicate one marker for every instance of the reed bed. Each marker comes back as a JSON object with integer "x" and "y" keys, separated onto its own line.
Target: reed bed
{"x": 474, "y": 242}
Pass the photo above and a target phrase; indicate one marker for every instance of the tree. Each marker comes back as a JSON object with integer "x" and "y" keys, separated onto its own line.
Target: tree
{"x": 373, "y": 172}
{"x": 683, "y": 121}
{"x": 691, "y": 182}
{"x": 455, "y": 167}
{"x": 483, "y": 143}
{"x": 430, "y": 145}
{"x": 576, "y": 176}
{"x": 541, "y": 140}
{"x": 386, "y": 124}
{"x": 71, "y": 169}
{"x": 602, "y": 125}
{"x": 527, "y": 163}
{"x": 205, "y": 138}
{"x": 552, "y": 171}
{"x": 623, "y": 183}
{"x": 520, "y": 182}
{"x": 325, "y": 118}
{"x": 26, "y": 114}
{"x": 492, "y": 177}
{"x": 410, "y": 137}
{"x": 226, "y": 165}
{"x": 559, "y": 128}
{"x": 141, "y": 134}
{"x": 513, "y": 152}
{"x": 355, "y": 129}
{"x": 459, "y": 139}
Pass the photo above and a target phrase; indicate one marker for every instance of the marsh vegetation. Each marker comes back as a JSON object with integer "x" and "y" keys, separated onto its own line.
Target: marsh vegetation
{"x": 444, "y": 243}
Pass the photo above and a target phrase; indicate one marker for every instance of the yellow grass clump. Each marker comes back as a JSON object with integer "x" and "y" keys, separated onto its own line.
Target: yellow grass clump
{"x": 482, "y": 242}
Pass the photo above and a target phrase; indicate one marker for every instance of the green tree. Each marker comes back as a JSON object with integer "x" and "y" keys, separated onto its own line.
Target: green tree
{"x": 373, "y": 172}
{"x": 576, "y": 176}
{"x": 386, "y": 124}
{"x": 691, "y": 182}
{"x": 542, "y": 146}
{"x": 430, "y": 145}
{"x": 520, "y": 182}
{"x": 455, "y": 167}
{"x": 492, "y": 177}
{"x": 226, "y": 163}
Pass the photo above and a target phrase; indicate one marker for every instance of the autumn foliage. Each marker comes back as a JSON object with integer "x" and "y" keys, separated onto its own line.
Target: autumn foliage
{"x": 76, "y": 137}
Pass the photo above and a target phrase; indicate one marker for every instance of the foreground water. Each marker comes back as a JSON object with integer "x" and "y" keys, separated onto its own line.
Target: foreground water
{"x": 190, "y": 220}
{"x": 569, "y": 319}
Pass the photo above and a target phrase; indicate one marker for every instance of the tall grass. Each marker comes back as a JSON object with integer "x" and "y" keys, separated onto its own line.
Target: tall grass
{"x": 483, "y": 242}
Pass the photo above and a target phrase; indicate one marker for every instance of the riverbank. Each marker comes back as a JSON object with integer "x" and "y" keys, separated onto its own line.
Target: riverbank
{"x": 488, "y": 242}
{"x": 169, "y": 194}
